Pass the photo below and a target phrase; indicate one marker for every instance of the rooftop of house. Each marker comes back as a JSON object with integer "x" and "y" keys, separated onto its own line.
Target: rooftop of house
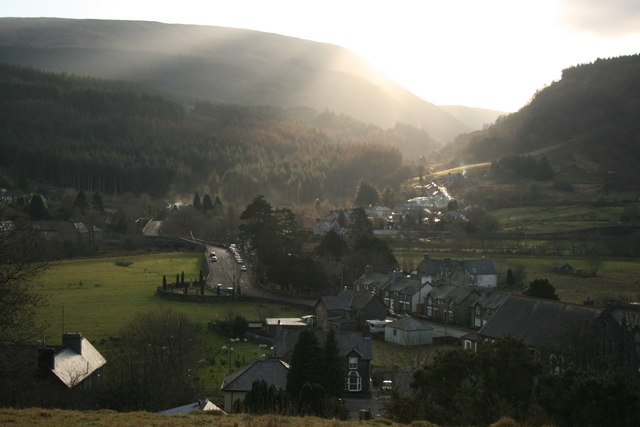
{"x": 409, "y": 324}
{"x": 539, "y": 322}
{"x": 347, "y": 342}
{"x": 201, "y": 405}
{"x": 272, "y": 371}
{"x": 431, "y": 266}
{"x": 73, "y": 367}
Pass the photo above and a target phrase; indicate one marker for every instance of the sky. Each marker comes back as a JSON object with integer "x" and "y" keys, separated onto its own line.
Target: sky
{"x": 491, "y": 54}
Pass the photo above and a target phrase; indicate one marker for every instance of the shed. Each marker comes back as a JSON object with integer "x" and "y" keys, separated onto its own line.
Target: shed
{"x": 409, "y": 331}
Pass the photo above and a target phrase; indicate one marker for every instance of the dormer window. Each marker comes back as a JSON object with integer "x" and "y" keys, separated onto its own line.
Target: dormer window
{"x": 353, "y": 363}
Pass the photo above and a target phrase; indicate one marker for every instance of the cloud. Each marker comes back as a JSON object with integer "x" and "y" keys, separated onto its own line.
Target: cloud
{"x": 610, "y": 18}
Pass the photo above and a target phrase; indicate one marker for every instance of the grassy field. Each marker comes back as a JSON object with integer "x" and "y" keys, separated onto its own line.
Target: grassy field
{"x": 552, "y": 219}
{"x": 100, "y": 296}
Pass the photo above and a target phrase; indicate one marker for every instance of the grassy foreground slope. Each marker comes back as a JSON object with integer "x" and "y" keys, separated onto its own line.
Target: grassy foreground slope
{"x": 49, "y": 417}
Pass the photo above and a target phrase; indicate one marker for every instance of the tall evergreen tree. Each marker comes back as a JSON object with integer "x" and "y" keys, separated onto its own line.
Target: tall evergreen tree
{"x": 37, "y": 209}
{"x": 218, "y": 209}
{"x": 366, "y": 194}
{"x": 197, "y": 204}
{"x": 207, "y": 204}
{"x": 305, "y": 363}
{"x": 81, "y": 202}
{"x": 332, "y": 366}
{"x": 96, "y": 202}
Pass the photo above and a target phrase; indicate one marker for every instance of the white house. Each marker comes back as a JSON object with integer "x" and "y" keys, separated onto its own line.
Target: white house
{"x": 408, "y": 331}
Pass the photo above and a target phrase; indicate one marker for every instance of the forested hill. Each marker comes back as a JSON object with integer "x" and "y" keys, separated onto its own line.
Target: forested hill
{"x": 587, "y": 124}
{"x": 114, "y": 137}
{"x": 222, "y": 65}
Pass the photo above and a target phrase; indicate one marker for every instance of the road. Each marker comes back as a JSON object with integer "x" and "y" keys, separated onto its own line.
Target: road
{"x": 227, "y": 271}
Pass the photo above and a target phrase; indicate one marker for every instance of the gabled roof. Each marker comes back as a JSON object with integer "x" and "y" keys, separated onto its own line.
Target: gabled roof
{"x": 409, "y": 324}
{"x": 539, "y": 322}
{"x": 337, "y": 302}
{"x": 479, "y": 267}
{"x": 347, "y": 342}
{"x": 371, "y": 278}
{"x": 73, "y": 368}
{"x": 491, "y": 300}
{"x": 273, "y": 371}
{"x": 457, "y": 294}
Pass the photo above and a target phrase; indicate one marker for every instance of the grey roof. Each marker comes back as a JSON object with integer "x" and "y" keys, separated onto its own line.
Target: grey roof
{"x": 541, "y": 323}
{"x": 347, "y": 342}
{"x": 273, "y": 371}
{"x": 409, "y": 324}
{"x": 457, "y": 294}
{"x": 73, "y": 368}
{"x": 337, "y": 302}
{"x": 491, "y": 300}
{"x": 479, "y": 267}
{"x": 371, "y": 278}
{"x": 405, "y": 285}
{"x": 432, "y": 267}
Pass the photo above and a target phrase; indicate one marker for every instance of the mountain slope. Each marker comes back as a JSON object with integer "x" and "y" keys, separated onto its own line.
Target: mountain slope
{"x": 221, "y": 65}
{"x": 587, "y": 124}
{"x": 474, "y": 118}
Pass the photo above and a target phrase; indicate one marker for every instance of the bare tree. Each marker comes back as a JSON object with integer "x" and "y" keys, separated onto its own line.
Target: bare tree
{"x": 21, "y": 260}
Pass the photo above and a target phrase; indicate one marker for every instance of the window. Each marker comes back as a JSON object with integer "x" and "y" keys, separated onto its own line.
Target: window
{"x": 354, "y": 381}
{"x": 353, "y": 363}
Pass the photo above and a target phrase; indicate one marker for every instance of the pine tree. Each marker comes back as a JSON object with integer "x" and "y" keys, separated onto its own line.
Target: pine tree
{"x": 305, "y": 363}
{"x": 96, "y": 202}
{"x": 164, "y": 282}
{"x": 196, "y": 201}
{"x": 207, "y": 204}
{"x": 332, "y": 366}
{"x": 37, "y": 209}
{"x": 511, "y": 279}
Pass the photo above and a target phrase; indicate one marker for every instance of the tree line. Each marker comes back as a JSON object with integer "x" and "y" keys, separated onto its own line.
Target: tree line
{"x": 113, "y": 137}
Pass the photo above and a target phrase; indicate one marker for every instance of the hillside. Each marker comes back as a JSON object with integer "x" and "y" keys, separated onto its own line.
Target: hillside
{"x": 115, "y": 137}
{"x": 473, "y": 118}
{"x": 587, "y": 124}
{"x": 222, "y": 65}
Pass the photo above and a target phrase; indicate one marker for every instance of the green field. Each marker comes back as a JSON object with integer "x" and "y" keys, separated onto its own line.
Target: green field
{"x": 99, "y": 297}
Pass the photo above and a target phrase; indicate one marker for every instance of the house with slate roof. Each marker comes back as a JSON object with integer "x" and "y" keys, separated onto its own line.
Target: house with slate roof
{"x": 451, "y": 304}
{"x": 370, "y": 281}
{"x": 348, "y": 311}
{"x": 408, "y": 331}
{"x": 485, "y": 307}
{"x": 236, "y": 385}
{"x": 355, "y": 349}
{"x": 405, "y": 293}
{"x": 76, "y": 364}
{"x": 480, "y": 272}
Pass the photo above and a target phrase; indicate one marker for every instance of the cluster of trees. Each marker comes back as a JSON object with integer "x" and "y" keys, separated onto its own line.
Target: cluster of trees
{"x": 460, "y": 387}
{"x": 112, "y": 137}
{"x": 277, "y": 241}
{"x": 314, "y": 384}
{"x": 527, "y": 167}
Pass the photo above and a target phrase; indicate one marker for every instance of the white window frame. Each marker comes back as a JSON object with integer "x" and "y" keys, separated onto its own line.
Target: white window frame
{"x": 354, "y": 381}
{"x": 353, "y": 363}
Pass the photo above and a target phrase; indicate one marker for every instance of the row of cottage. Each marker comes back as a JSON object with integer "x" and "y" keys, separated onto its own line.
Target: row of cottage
{"x": 448, "y": 291}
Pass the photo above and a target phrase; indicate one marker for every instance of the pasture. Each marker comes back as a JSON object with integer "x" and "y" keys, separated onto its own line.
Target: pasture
{"x": 98, "y": 297}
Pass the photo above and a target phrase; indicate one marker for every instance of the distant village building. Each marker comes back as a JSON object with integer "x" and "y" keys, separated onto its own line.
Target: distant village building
{"x": 408, "y": 331}
{"x": 236, "y": 385}
{"x": 480, "y": 273}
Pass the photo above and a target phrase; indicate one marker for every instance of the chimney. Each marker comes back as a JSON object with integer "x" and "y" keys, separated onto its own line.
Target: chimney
{"x": 47, "y": 357}
{"x": 73, "y": 341}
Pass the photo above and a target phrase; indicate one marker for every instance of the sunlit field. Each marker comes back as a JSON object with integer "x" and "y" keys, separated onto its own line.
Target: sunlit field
{"x": 99, "y": 296}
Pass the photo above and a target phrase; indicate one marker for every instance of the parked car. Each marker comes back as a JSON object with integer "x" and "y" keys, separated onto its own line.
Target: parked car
{"x": 391, "y": 313}
{"x": 243, "y": 268}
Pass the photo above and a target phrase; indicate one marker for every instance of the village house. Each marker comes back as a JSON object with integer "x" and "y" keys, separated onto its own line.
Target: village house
{"x": 563, "y": 333}
{"x": 75, "y": 364}
{"x": 405, "y": 293}
{"x": 322, "y": 227}
{"x": 408, "y": 331}
{"x": 370, "y": 281}
{"x": 485, "y": 307}
{"x": 236, "y": 385}
{"x": 451, "y": 304}
{"x": 480, "y": 272}
{"x": 355, "y": 349}
{"x": 348, "y": 311}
